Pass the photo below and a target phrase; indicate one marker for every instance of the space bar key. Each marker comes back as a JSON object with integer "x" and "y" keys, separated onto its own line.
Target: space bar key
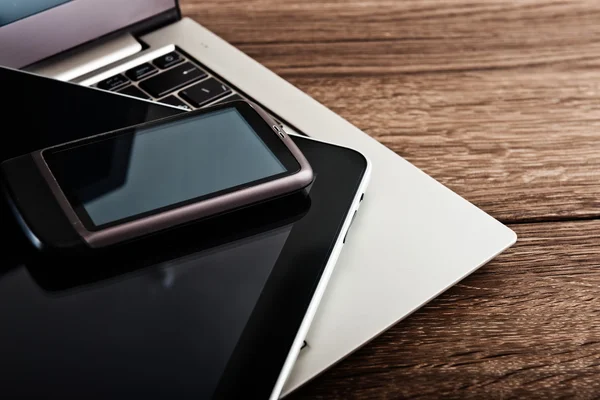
{"x": 171, "y": 80}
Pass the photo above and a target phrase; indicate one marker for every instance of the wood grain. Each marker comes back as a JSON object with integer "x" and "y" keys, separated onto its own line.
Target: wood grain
{"x": 479, "y": 94}
{"x": 500, "y": 101}
{"x": 525, "y": 325}
{"x": 523, "y": 147}
{"x": 354, "y": 37}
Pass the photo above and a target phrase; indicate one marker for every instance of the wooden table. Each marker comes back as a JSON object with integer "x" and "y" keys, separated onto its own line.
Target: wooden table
{"x": 500, "y": 101}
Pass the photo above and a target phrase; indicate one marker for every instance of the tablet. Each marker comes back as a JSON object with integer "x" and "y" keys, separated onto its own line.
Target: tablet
{"x": 218, "y": 310}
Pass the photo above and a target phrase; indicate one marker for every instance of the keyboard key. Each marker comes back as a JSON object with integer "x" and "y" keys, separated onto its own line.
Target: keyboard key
{"x": 173, "y": 79}
{"x": 141, "y": 71}
{"x": 135, "y": 92}
{"x": 174, "y": 101}
{"x": 230, "y": 98}
{"x": 112, "y": 83}
{"x": 168, "y": 60}
{"x": 204, "y": 92}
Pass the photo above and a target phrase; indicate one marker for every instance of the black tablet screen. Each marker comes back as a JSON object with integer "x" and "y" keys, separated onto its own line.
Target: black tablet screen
{"x": 166, "y": 319}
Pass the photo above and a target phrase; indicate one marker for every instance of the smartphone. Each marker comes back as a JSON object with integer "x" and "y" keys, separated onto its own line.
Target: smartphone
{"x": 121, "y": 185}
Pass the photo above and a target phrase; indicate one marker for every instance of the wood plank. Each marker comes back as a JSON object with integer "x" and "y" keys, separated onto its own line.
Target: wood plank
{"x": 526, "y": 323}
{"x": 354, "y": 36}
{"x": 522, "y": 146}
{"x": 498, "y": 100}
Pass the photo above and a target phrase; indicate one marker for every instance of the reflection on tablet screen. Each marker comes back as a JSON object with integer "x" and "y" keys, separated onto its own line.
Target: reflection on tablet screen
{"x": 196, "y": 306}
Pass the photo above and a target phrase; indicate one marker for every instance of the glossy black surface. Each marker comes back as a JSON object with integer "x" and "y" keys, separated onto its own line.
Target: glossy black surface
{"x": 206, "y": 311}
{"x": 42, "y": 112}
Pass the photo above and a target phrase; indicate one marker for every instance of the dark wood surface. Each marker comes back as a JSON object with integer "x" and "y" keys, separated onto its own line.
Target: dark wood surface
{"x": 500, "y": 101}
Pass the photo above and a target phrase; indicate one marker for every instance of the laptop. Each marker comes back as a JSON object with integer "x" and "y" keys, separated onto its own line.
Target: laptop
{"x": 413, "y": 239}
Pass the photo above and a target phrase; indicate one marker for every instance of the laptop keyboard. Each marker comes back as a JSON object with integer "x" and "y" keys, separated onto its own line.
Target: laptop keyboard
{"x": 171, "y": 79}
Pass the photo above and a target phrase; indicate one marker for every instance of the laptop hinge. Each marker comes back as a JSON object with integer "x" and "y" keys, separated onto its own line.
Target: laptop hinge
{"x": 91, "y": 58}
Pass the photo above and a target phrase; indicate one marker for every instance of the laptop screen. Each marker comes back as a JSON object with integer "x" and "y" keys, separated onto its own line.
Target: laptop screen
{"x": 33, "y": 30}
{"x": 13, "y": 11}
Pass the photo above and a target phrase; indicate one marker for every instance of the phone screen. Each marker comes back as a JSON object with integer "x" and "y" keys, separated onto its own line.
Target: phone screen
{"x": 151, "y": 169}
